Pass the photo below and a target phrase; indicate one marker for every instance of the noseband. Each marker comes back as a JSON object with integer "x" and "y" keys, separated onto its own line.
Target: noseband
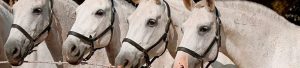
{"x": 217, "y": 39}
{"x": 33, "y": 41}
{"x": 90, "y": 40}
{"x": 162, "y": 38}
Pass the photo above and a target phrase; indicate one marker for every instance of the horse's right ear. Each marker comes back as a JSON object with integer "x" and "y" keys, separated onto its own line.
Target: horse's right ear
{"x": 136, "y": 1}
{"x": 188, "y": 4}
{"x": 196, "y": 1}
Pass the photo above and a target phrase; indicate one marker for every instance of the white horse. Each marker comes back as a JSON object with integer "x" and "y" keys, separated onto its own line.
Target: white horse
{"x": 6, "y": 19}
{"x": 37, "y": 21}
{"x": 151, "y": 26}
{"x": 5, "y": 5}
{"x": 251, "y": 35}
{"x": 99, "y": 24}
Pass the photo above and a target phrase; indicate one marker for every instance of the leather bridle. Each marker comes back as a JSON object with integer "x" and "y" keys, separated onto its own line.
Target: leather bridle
{"x": 33, "y": 41}
{"x": 162, "y": 38}
{"x": 217, "y": 39}
{"x": 90, "y": 40}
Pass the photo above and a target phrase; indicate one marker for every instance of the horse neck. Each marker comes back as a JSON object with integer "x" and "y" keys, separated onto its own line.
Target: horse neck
{"x": 178, "y": 12}
{"x": 256, "y": 39}
{"x": 178, "y": 15}
{"x": 65, "y": 15}
{"x": 123, "y": 10}
{"x": 6, "y": 19}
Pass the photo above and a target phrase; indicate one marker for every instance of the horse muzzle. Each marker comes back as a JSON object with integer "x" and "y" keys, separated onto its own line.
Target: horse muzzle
{"x": 16, "y": 62}
{"x": 74, "y": 55}
{"x": 181, "y": 60}
{"x": 14, "y": 55}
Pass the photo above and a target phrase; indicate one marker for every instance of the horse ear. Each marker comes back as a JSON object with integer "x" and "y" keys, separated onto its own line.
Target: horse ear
{"x": 188, "y": 4}
{"x": 211, "y": 4}
{"x": 196, "y": 1}
{"x": 136, "y": 1}
{"x": 157, "y": 1}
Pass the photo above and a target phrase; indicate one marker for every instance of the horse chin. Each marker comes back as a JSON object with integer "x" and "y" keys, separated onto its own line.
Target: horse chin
{"x": 74, "y": 61}
{"x": 140, "y": 63}
{"x": 16, "y": 62}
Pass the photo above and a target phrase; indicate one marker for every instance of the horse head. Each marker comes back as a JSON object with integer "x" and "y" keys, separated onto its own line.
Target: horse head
{"x": 147, "y": 34}
{"x": 32, "y": 21}
{"x": 201, "y": 35}
{"x": 93, "y": 26}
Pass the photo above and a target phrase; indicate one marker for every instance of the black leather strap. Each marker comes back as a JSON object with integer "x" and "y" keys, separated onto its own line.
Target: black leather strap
{"x": 23, "y": 31}
{"x": 194, "y": 54}
{"x": 81, "y": 37}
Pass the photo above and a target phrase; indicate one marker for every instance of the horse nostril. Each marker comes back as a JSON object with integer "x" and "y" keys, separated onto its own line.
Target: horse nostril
{"x": 181, "y": 66}
{"x": 15, "y": 50}
{"x": 73, "y": 48}
{"x": 77, "y": 54}
{"x": 126, "y": 62}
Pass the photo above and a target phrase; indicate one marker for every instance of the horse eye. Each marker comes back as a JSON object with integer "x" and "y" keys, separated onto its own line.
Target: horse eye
{"x": 100, "y": 12}
{"x": 204, "y": 29}
{"x": 37, "y": 10}
{"x": 151, "y": 23}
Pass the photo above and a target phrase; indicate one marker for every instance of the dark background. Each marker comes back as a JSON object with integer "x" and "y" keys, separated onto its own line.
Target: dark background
{"x": 290, "y": 9}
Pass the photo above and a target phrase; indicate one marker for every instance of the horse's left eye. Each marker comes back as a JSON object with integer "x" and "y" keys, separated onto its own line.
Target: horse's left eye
{"x": 37, "y": 10}
{"x": 151, "y": 23}
{"x": 100, "y": 12}
{"x": 204, "y": 29}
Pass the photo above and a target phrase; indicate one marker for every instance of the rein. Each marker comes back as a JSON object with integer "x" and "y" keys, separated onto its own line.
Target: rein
{"x": 90, "y": 40}
{"x": 162, "y": 38}
{"x": 217, "y": 39}
{"x": 33, "y": 41}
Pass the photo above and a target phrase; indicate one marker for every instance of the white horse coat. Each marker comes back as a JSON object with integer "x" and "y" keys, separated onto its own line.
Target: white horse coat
{"x": 85, "y": 24}
{"x": 6, "y": 19}
{"x": 63, "y": 18}
{"x": 253, "y": 36}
